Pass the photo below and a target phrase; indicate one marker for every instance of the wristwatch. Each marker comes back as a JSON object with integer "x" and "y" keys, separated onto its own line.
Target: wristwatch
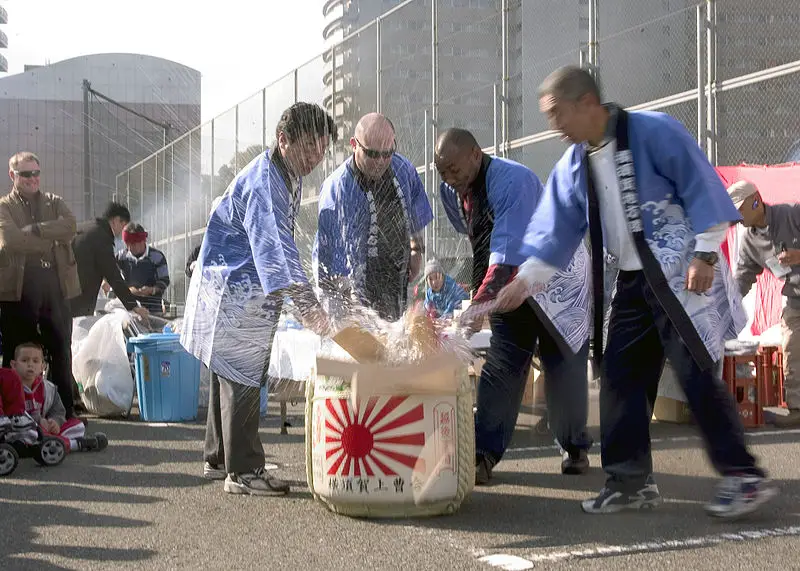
{"x": 709, "y": 258}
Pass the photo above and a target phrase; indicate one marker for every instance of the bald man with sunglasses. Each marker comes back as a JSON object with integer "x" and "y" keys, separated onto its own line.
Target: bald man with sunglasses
{"x": 372, "y": 212}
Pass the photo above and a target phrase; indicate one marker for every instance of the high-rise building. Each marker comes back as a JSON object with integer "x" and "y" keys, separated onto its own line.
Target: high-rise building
{"x": 646, "y": 51}
{"x": 3, "y": 38}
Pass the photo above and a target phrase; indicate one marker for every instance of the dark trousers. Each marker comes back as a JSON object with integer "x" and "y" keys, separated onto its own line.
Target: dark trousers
{"x": 232, "y": 426}
{"x": 42, "y": 315}
{"x": 502, "y": 385}
{"x": 640, "y": 337}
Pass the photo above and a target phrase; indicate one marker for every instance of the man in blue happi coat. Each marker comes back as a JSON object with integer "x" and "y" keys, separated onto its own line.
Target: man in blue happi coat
{"x": 645, "y": 191}
{"x": 248, "y": 264}
{"x": 491, "y": 200}
{"x": 372, "y": 212}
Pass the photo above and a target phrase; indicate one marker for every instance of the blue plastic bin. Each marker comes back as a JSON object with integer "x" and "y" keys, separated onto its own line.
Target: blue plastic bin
{"x": 167, "y": 378}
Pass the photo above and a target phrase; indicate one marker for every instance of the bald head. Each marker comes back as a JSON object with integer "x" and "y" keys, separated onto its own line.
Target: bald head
{"x": 455, "y": 142}
{"x": 373, "y": 144}
{"x": 458, "y": 158}
{"x": 374, "y": 130}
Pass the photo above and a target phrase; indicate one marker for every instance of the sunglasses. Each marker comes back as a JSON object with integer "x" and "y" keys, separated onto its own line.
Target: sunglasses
{"x": 27, "y": 174}
{"x": 373, "y": 154}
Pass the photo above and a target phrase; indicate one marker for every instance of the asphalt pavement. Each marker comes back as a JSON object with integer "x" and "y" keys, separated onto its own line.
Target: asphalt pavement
{"x": 143, "y": 504}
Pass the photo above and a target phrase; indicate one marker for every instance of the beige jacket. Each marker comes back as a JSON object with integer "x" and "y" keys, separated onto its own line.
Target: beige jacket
{"x": 52, "y": 240}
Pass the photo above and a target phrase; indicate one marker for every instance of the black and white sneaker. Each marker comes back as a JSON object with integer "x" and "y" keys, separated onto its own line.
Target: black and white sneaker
{"x": 256, "y": 483}
{"x": 611, "y": 501}
{"x": 740, "y": 495}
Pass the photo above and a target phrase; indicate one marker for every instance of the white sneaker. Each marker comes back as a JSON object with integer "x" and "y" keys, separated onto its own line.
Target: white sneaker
{"x": 214, "y": 472}
{"x": 256, "y": 483}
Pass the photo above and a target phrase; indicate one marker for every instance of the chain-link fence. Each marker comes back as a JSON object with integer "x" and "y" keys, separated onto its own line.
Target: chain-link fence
{"x": 727, "y": 69}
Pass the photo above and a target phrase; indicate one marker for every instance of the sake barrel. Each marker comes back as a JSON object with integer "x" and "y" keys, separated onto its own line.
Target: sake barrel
{"x": 388, "y": 441}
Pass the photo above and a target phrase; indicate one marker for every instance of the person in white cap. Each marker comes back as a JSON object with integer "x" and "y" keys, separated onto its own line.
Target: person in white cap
{"x": 772, "y": 242}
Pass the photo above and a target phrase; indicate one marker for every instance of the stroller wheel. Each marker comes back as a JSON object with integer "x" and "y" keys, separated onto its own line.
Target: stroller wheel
{"x": 51, "y": 452}
{"x": 8, "y": 459}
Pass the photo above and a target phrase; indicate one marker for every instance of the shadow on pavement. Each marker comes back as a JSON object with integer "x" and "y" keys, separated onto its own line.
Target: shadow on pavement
{"x": 24, "y": 528}
{"x": 59, "y": 492}
{"x": 531, "y": 521}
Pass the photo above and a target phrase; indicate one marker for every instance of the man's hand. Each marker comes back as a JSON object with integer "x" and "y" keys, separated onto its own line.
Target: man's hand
{"x": 699, "y": 276}
{"x": 414, "y": 265}
{"x": 135, "y": 290}
{"x": 790, "y": 257}
{"x": 514, "y": 294}
{"x": 472, "y": 319}
{"x": 142, "y": 312}
{"x": 105, "y": 287}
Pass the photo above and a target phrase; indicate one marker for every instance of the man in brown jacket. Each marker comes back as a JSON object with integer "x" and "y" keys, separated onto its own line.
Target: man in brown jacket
{"x": 38, "y": 273}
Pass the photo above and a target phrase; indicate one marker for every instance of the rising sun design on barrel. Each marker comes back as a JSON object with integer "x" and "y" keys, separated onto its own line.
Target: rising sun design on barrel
{"x": 369, "y": 441}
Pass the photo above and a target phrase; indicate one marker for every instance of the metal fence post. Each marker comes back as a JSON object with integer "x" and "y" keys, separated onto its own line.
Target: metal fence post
{"x": 594, "y": 63}
{"x": 434, "y": 106}
{"x": 378, "y": 64}
{"x": 207, "y": 199}
{"x": 711, "y": 72}
{"x": 701, "y": 79}
{"x": 503, "y": 102}
{"x": 333, "y": 97}
{"x": 426, "y": 180}
{"x": 141, "y": 193}
{"x": 236, "y": 139}
{"x": 264, "y": 118}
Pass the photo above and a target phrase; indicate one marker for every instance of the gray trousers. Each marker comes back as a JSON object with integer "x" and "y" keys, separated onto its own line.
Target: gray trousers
{"x": 232, "y": 426}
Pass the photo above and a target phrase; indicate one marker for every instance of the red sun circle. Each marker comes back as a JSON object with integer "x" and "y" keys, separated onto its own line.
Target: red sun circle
{"x": 357, "y": 440}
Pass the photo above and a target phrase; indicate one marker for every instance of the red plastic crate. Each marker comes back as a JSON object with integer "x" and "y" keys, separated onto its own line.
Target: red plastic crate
{"x": 747, "y": 390}
{"x": 772, "y": 374}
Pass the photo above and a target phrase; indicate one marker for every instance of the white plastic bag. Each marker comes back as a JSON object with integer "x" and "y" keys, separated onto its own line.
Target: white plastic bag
{"x": 101, "y": 367}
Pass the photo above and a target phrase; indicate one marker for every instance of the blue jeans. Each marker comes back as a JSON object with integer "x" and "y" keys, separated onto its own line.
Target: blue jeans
{"x": 640, "y": 338}
{"x": 502, "y": 385}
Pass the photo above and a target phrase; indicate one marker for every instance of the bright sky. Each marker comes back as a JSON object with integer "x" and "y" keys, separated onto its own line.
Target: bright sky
{"x": 238, "y": 45}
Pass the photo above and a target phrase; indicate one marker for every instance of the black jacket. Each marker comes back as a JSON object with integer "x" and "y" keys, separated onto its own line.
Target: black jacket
{"x": 94, "y": 253}
{"x": 192, "y": 258}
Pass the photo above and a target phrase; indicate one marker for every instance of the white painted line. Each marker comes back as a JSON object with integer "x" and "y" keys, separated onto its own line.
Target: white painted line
{"x": 670, "y": 439}
{"x": 656, "y": 546}
{"x": 507, "y": 562}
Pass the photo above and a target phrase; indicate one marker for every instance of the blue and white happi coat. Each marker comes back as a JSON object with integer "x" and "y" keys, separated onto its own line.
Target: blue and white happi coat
{"x": 513, "y": 191}
{"x": 670, "y": 193}
{"x": 346, "y": 238}
{"x": 247, "y": 260}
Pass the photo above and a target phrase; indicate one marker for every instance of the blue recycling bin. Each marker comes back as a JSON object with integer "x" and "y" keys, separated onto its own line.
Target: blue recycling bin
{"x": 167, "y": 378}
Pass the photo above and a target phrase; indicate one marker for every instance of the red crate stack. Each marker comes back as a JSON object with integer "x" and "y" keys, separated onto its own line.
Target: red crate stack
{"x": 743, "y": 375}
{"x": 772, "y": 374}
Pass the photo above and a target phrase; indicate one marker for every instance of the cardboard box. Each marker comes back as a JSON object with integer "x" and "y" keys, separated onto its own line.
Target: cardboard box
{"x": 670, "y": 405}
{"x": 534, "y": 390}
{"x": 438, "y": 375}
{"x": 671, "y": 410}
{"x": 361, "y": 345}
